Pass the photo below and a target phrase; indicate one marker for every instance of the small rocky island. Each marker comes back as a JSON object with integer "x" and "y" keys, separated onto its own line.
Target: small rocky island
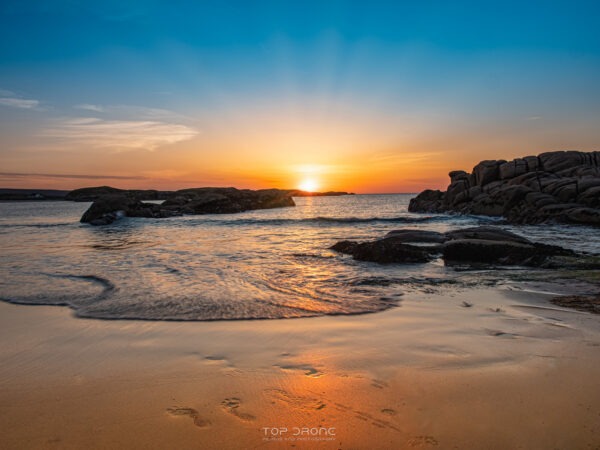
{"x": 561, "y": 187}
{"x": 109, "y": 206}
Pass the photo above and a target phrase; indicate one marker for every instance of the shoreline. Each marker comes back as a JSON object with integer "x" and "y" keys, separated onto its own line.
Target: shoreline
{"x": 411, "y": 377}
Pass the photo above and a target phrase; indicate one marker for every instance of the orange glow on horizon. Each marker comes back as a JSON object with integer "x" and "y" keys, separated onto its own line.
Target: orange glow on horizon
{"x": 344, "y": 150}
{"x": 309, "y": 185}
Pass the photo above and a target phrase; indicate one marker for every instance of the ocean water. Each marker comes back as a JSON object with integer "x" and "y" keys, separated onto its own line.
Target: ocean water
{"x": 266, "y": 264}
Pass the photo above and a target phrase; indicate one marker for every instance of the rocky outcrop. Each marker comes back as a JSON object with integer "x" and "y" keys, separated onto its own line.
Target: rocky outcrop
{"x": 559, "y": 187}
{"x": 479, "y": 245}
{"x": 386, "y": 250}
{"x": 107, "y": 208}
{"x": 226, "y": 200}
{"x": 90, "y": 194}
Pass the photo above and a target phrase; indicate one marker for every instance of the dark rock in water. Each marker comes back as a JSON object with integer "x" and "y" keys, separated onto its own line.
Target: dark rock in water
{"x": 478, "y": 245}
{"x": 496, "y": 252}
{"x": 552, "y": 187}
{"x": 428, "y": 201}
{"x": 486, "y": 233}
{"x": 420, "y": 236}
{"x": 227, "y": 200}
{"x": 108, "y": 208}
{"x": 346, "y": 247}
{"x": 387, "y": 250}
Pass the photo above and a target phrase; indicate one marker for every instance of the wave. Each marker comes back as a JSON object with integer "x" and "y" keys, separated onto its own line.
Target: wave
{"x": 339, "y": 220}
{"x": 37, "y": 225}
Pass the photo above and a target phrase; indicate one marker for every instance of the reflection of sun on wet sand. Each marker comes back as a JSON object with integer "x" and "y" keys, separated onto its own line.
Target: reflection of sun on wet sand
{"x": 430, "y": 374}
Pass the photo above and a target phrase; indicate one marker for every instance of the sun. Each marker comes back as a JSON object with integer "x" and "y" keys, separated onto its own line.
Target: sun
{"x": 308, "y": 185}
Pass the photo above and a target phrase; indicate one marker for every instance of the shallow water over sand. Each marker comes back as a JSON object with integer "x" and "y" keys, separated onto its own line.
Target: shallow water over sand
{"x": 254, "y": 265}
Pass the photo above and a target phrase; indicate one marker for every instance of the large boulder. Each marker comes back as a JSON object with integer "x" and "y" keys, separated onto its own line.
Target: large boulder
{"x": 386, "y": 250}
{"x": 488, "y": 251}
{"x": 417, "y": 236}
{"x": 552, "y": 187}
{"x": 428, "y": 201}
{"x": 109, "y": 208}
{"x": 486, "y": 233}
{"x": 486, "y": 171}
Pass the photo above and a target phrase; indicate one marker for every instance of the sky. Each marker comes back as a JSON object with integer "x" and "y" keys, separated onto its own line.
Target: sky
{"x": 361, "y": 96}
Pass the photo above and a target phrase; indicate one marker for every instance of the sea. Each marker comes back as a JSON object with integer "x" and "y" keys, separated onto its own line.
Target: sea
{"x": 264, "y": 264}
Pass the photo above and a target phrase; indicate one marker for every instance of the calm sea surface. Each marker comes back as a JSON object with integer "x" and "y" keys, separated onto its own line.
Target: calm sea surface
{"x": 260, "y": 264}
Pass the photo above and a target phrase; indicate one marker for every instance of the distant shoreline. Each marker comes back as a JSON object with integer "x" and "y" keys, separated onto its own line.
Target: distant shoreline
{"x": 18, "y": 194}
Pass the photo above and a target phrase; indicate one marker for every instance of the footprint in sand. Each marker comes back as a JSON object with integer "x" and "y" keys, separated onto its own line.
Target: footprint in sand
{"x": 309, "y": 371}
{"x": 374, "y": 421}
{"x": 499, "y": 333}
{"x": 232, "y": 405}
{"x": 368, "y": 417}
{"x": 422, "y": 441}
{"x": 305, "y": 403}
{"x": 189, "y": 412}
{"x": 379, "y": 384}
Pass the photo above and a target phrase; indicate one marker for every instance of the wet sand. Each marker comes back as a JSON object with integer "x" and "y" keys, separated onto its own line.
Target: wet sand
{"x": 482, "y": 368}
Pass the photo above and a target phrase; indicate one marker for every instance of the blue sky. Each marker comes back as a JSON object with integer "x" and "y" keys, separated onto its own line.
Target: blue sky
{"x": 111, "y": 82}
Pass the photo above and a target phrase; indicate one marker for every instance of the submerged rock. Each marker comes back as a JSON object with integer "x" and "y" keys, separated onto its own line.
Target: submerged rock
{"x": 559, "y": 186}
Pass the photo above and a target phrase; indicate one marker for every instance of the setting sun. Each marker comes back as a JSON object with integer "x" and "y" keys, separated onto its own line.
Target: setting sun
{"x": 308, "y": 185}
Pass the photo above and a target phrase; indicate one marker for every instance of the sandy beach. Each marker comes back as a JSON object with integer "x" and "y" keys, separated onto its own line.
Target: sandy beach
{"x": 342, "y": 225}
{"x": 510, "y": 371}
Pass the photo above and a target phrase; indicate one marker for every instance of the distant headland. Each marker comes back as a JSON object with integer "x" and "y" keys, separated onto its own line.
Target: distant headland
{"x": 89, "y": 194}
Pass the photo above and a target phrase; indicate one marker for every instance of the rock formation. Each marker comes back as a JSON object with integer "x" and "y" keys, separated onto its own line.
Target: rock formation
{"x": 107, "y": 208}
{"x": 478, "y": 245}
{"x": 552, "y": 187}
{"x": 90, "y": 194}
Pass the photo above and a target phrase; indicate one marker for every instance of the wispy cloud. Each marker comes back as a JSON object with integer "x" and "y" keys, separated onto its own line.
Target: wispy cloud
{"x": 72, "y": 176}
{"x": 8, "y": 98}
{"x": 118, "y": 134}
{"x": 402, "y": 157}
{"x": 132, "y": 112}
{"x": 89, "y": 107}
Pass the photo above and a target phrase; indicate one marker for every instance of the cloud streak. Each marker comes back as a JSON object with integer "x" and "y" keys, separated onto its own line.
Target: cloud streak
{"x": 71, "y": 176}
{"x": 89, "y": 107}
{"x": 17, "y": 102}
{"x": 118, "y": 135}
